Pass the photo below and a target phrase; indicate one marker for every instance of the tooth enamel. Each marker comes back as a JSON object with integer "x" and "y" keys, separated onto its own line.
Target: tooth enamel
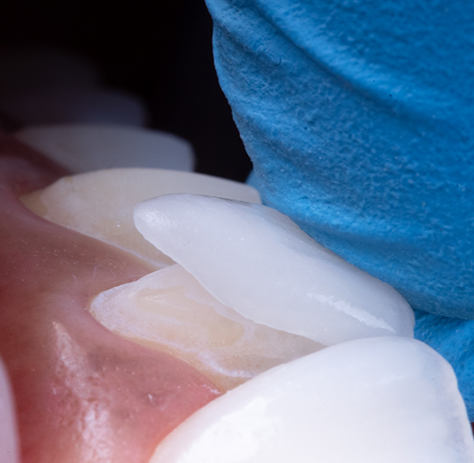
{"x": 100, "y": 204}
{"x": 171, "y": 311}
{"x": 373, "y": 400}
{"x": 85, "y": 147}
{"x": 8, "y": 430}
{"x": 256, "y": 261}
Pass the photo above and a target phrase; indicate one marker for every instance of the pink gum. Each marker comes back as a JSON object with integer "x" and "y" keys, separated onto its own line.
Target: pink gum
{"x": 82, "y": 393}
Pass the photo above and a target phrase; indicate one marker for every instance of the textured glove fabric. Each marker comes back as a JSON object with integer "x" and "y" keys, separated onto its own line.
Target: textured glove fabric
{"x": 359, "y": 119}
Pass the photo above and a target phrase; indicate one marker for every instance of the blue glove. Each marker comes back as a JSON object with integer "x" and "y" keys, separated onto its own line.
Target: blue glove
{"x": 359, "y": 119}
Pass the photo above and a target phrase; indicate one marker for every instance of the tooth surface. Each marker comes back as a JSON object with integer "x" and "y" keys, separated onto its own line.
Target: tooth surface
{"x": 8, "y": 428}
{"x": 85, "y": 147}
{"x": 373, "y": 400}
{"x": 100, "y": 204}
{"x": 171, "y": 311}
{"x": 257, "y": 261}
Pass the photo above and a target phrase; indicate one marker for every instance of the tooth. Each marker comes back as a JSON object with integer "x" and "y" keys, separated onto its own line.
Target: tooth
{"x": 369, "y": 401}
{"x": 37, "y": 68}
{"x": 229, "y": 430}
{"x": 339, "y": 419}
{"x": 256, "y": 261}
{"x": 8, "y": 429}
{"x": 70, "y": 105}
{"x": 86, "y": 148}
{"x": 83, "y": 393}
{"x": 100, "y": 204}
{"x": 47, "y": 86}
{"x": 171, "y": 311}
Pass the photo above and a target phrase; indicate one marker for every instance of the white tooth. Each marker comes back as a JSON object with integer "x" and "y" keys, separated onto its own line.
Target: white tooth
{"x": 258, "y": 262}
{"x": 376, "y": 400}
{"x": 85, "y": 147}
{"x": 39, "y": 68}
{"x": 74, "y": 105}
{"x": 100, "y": 204}
{"x": 8, "y": 429}
{"x": 170, "y": 311}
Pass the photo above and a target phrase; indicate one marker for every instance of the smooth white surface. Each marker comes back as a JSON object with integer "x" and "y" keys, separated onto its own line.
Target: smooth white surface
{"x": 100, "y": 204}
{"x": 8, "y": 429}
{"x": 378, "y": 400}
{"x": 258, "y": 262}
{"x": 86, "y": 148}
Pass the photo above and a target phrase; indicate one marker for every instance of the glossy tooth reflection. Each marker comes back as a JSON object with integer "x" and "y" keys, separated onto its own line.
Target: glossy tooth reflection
{"x": 278, "y": 275}
{"x": 169, "y": 310}
{"x": 373, "y": 400}
{"x": 86, "y": 148}
{"x": 100, "y": 204}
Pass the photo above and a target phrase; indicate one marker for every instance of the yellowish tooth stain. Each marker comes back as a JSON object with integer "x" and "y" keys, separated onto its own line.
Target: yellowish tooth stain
{"x": 170, "y": 311}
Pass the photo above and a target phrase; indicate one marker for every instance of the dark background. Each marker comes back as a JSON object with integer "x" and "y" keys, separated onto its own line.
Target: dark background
{"x": 159, "y": 50}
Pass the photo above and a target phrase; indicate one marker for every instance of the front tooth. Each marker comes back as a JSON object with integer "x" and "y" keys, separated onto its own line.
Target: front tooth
{"x": 85, "y": 147}
{"x": 30, "y": 69}
{"x": 169, "y": 310}
{"x": 70, "y": 105}
{"x": 374, "y": 400}
{"x": 100, "y": 204}
{"x": 257, "y": 261}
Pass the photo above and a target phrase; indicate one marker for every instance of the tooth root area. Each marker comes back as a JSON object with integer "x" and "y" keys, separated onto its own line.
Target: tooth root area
{"x": 170, "y": 311}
